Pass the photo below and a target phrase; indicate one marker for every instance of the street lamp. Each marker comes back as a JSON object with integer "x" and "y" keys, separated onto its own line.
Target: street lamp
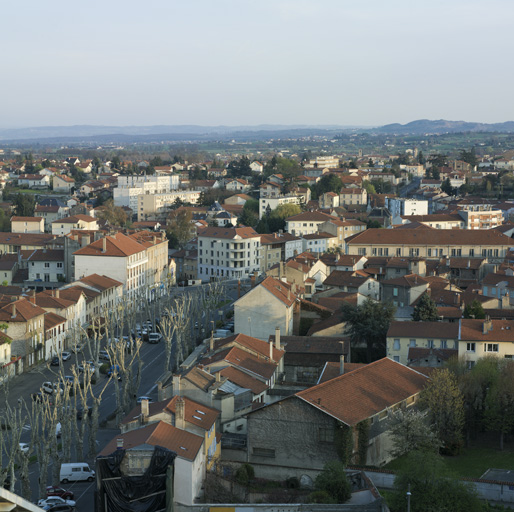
{"x": 408, "y": 498}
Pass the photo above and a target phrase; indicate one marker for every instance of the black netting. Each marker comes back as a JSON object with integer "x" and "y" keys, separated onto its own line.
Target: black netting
{"x": 145, "y": 493}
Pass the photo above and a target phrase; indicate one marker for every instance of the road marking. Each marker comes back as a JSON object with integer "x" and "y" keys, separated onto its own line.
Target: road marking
{"x": 86, "y": 490}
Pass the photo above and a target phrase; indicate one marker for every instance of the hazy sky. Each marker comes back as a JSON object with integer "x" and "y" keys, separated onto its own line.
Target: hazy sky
{"x": 250, "y": 62}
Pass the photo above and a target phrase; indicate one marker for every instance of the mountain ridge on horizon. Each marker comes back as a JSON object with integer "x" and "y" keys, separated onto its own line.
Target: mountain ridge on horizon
{"x": 417, "y": 127}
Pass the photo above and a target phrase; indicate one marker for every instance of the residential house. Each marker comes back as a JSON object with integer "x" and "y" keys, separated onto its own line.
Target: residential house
{"x": 9, "y": 265}
{"x": 342, "y": 228}
{"x": 33, "y": 181}
{"x": 329, "y": 200}
{"x": 422, "y": 343}
{"x": 74, "y": 223}
{"x": 270, "y": 304}
{"x": 46, "y": 268}
{"x": 228, "y": 252}
{"x": 64, "y": 184}
{"x": 368, "y": 394}
{"x": 49, "y": 213}
{"x": 306, "y": 223}
{"x": 403, "y": 291}
{"x": 351, "y": 283}
{"x": 277, "y": 247}
{"x": 183, "y": 413}
{"x": 256, "y": 166}
{"x": 319, "y": 242}
{"x": 353, "y": 196}
{"x": 499, "y": 284}
{"x": 25, "y": 326}
{"x": 27, "y": 225}
{"x": 269, "y": 204}
{"x": 139, "y": 446}
{"x": 238, "y": 185}
{"x": 14, "y": 242}
{"x": 56, "y": 327}
{"x": 70, "y": 303}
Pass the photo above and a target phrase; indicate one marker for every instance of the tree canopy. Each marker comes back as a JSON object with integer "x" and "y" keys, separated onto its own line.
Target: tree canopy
{"x": 179, "y": 228}
{"x": 425, "y": 310}
{"x": 474, "y": 310}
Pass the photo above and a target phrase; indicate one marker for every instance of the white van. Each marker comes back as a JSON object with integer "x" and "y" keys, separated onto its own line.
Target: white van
{"x": 76, "y": 472}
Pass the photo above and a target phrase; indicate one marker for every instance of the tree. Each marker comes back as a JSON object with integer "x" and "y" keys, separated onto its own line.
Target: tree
{"x": 369, "y": 187}
{"x": 447, "y": 188}
{"x": 469, "y": 157}
{"x": 333, "y": 481}
{"x": 445, "y": 405}
{"x": 425, "y": 310}
{"x": 370, "y": 163}
{"x": 474, "y": 310}
{"x": 250, "y": 214}
{"x": 179, "y": 226}
{"x": 499, "y": 413}
{"x": 239, "y": 168}
{"x": 432, "y": 486}
{"x": 24, "y": 205}
{"x": 368, "y": 324}
{"x": 328, "y": 183}
{"x": 421, "y": 158}
{"x": 410, "y": 431}
{"x": 115, "y": 215}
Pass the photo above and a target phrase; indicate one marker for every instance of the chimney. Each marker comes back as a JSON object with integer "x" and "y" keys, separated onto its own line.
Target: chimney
{"x": 176, "y": 385}
{"x": 211, "y": 342}
{"x": 145, "y": 409}
{"x": 180, "y": 407}
{"x": 277, "y": 338}
{"x": 13, "y": 311}
{"x": 487, "y": 325}
{"x": 469, "y": 263}
{"x": 218, "y": 376}
{"x": 119, "y": 443}
{"x": 271, "y": 350}
{"x": 33, "y": 298}
{"x": 104, "y": 244}
{"x": 341, "y": 364}
{"x": 57, "y": 293}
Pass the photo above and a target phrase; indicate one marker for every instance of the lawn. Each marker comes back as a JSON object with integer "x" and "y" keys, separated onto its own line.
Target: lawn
{"x": 474, "y": 461}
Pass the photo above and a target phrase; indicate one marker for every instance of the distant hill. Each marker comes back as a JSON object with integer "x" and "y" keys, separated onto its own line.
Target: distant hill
{"x": 426, "y": 126}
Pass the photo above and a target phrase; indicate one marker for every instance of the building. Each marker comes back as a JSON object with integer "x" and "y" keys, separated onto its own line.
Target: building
{"x": 404, "y": 206}
{"x": 320, "y": 242}
{"x": 228, "y": 252}
{"x": 64, "y": 184}
{"x": 79, "y": 222}
{"x": 323, "y": 162}
{"x": 353, "y": 196}
{"x": 33, "y": 181}
{"x": 46, "y": 266}
{"x": 27, "y": 225}
{"x": 277, "y": 247}
{"x": 306, "y": 223}
{"x": 158, "y": 206}
{"x": 268, "y": 204}
{"x": 269, "y": 305}
{"x": 130, "y": 187}
{"x": 404, "y": 290}
{"x": 313, "y": 418}
{"x": 433, "y": 243}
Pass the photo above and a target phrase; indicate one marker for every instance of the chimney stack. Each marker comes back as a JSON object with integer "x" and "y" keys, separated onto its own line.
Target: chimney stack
{"x": 176, "y": 385}
{"x": 33, "y": 298}
{"x": 13, "y": 311}
{"x": 180, "y": 407}
{"x": 211, "y": 342}
{"x": 271, "y": 350}
{"x": 218, "y": 376}
{"x": 104, "y": 244}
{"x": 277, "y": 338}
{"x": 487, "y": 325}
{"x": 341, "y": 364}
{"x": 145, "y": 409}
{"x": 57, "y": 293}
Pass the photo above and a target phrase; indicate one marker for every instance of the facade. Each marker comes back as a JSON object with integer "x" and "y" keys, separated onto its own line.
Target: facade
{"x": 434, "y": 243}
{"x": 353, "y": 196}
{"x": 320, "y": 242}
{"x": 27, "y": 225}
{"x": 46, "y": 266}
{"x": 157, "y": 206}
{"x": 269, "y": 305}
{"x": 268, "y": 204}
{"x": 79, "y": 222}
{"x": 277, "y": 247}
{"x": 228, "y": 252}
{"x": 306, "y": 223}
{"x": 403, "y": 206}
{"x": 63, "y": 183}
{"x": 130, "y": 187}
{"x": 403, "y": 291}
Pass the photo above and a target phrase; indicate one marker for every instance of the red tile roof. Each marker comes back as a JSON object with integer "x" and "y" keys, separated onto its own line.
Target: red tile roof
{"x": 280, "y": 290}
{"x": 118, "y": 245}
{"x": 362, "y": 393}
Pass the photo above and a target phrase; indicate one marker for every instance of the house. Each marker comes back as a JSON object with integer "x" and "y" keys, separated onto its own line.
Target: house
{"x": 9, "y": 265}
{"x": 352, "y": 196}
{"x": 13, "y": 242}
{"x": 46, "y": 266}
{"x": 74, "y": 223}
{"x": 25, "y": 326}
{"x": 56, "y": 327}
{"x": 64, "y": 184}
{"x": 499, "y": 284}
{"x": 183, "y": 413}
{"x": 317, "y": 415}
{"x": 49, "y": 213}
{"x": 320, "y": 242}
{"x": 27, "y": 225}
{"x": 33, "y": 181}
{"x": 277, "y": 247}
{"x": 138, "y": 447}
{"x": 403, "y": 291}
{"x": 268, "y": 204}
{"x": 256, "y": 166}
{"x": 342, "y": 228}
{"x": 228, "y": 252}
{"x": 270, "y": 304}
{"x": 348, "y": 282}
{"x": 306, "y": 223}
{"x": 329, "y": 200}
{"x": 238, "y": 185}
{"x": 70, "y": 303}
{"x": 413, "y": 342}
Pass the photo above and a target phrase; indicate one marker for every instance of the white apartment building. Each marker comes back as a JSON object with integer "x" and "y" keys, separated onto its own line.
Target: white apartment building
{"x": 306, "y": 223}
{"x": 483, "y": 217}
{"x": 228, "y": 252}
{"x": 157, "y": 206}
{"x": 130, "y": 187}
{"x": 323, "y": 162}
{"x": 120, "y": 257}
{"x": 272, "y": 203}
{"x": 402, "y": 206}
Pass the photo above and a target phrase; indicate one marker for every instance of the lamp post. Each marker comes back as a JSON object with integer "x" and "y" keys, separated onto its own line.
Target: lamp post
{"x": 408, "y": 498}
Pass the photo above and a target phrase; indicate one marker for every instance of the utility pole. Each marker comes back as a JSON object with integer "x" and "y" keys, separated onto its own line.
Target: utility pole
{"x": 408, "y": 498}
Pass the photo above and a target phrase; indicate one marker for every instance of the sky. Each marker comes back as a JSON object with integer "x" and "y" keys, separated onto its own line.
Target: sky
{"x": 251, "y": 62}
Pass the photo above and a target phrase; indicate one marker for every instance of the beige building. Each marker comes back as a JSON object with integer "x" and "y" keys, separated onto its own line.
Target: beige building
{"x": 27, "y": 225}
{"x": 431, "y": 243}
{"x": 63, "y": 183}
{"x": 306, "y": 223}
{"x": 353, "y": 196}
{"x": 157, "y": 206}
{"x": 74, "y": 223}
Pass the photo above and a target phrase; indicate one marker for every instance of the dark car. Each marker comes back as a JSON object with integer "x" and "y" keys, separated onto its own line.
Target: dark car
{"x": 51, "y": 490}
{"x": 80, "y": 415}
{"x": 55, "y": 361}
{"x": 39, "y": 397}
{"x": 61, "y": 508}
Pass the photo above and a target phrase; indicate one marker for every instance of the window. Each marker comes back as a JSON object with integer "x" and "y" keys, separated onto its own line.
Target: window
{"x": 326, "y": 435}
{"x": 430, "y": 343}
{"x": 412, "y": 343}
{"x": 472, "y": 252}
{"x": 396, "y": 344}
{"x": 395, "y": 292}
{"x": 470, "y": 347}
{"x": 443, "y": 344}
{"x": 396, "y": 359}
{"x": 59, "y": 264}
{"x": 47, "y": 265}
{"x": 263, "y": 452}
{"x": 491, "y": 347}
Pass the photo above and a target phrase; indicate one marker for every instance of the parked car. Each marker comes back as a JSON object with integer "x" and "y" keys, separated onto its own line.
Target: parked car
{"x": 40, "y": 397}
{"x": 104, "y": 355}
{"x": 55, "y": 500}
{"x": 55, "y": 361}
{"x": 60, "y": 508}
{"x": 52, "y": 490}
{"x": 65, "y": 355}
{"x": 80, "y": 413}
{"x": 24, "y": 447}
{"x": 113, "y": 369}
{"x": 154, "y": 337}
{"x": 51, "y": 388}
